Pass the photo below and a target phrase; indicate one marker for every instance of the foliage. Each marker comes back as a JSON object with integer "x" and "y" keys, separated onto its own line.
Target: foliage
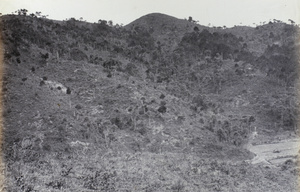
{"x": 104, "y": 106}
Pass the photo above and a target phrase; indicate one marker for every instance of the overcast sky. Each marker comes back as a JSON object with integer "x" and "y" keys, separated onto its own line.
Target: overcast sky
{"x": 215, "y": 12}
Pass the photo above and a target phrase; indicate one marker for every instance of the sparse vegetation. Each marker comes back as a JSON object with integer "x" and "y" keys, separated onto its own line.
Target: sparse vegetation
{"x": 160, "y": 104}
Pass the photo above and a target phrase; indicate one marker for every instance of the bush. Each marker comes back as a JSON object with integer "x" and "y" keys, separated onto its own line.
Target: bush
{"x": 111, "y": 64}
{"x": 131, "y": 69}
{"x": 221, "y": 136}
{"x": 68, "y": 91}
{"x": 162, "y": 109}
{"x": 198, "y": 101}
{"x": 162, "y": 96}
{"x": 78, "y": 55}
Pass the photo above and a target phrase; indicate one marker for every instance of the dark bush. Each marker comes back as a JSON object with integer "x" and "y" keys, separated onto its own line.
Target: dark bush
{"x": 199, "y": 102}
{"x": 116, "y": 121}
{"x": 162, "y": 109}
{"x": 239, "y": 72}
{"x": 221, "y": 136}
{"x": 16, "y": 53}
{"x": 163, "y": 103}
{"x": 7, "y": 55}
{"x": 78, "y": 106}
{"x": 42, "y": 83}
{"x": 68, "y": 91}
{"x": 78, "y": 55}
{"x": 131, "y": 69}
{"x": 111, "y": 64}
{"x": 162, "y": 96}
{"x": 44, "y": 56}
{"x": 251, "y": 119}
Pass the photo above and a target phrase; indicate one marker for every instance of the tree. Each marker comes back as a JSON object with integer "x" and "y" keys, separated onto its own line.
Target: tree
{"x": 191, "y": 20}
{"x": 22, "y": 12}
{"x": 102, "y": 22}
{"x": 292, "y": 22}
{"x": 38, "y": 13}
{"x": 277, "y": 21}
{"x": 196, "y": 29}
{"x": 71, "y": 21}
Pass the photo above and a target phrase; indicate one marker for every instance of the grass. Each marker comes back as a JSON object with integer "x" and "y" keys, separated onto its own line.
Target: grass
{"x": 113, "y": 130}
{"x": 91, "y": 170}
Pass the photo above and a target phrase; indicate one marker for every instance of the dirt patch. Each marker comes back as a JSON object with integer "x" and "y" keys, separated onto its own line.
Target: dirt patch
{"x": 275, "y": 153}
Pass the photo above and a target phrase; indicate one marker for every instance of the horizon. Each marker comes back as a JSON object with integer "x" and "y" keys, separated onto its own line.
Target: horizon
{"x": 213, "y": 13}
{"x": 196, "y": 22}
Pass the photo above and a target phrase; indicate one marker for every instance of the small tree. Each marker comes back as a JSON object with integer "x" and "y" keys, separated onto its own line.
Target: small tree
{"x": 38, "y": 13}
{"x": 22, "y": 12}
{"x": 102, "y": 22}
{"x": 292, "y": 22}
{"x": 196, "y": 29}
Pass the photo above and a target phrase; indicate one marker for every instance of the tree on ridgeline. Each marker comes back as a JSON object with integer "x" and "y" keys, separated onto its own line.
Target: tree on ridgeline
{"x": 292, "y": 22}
{"x": 22, "y": 12}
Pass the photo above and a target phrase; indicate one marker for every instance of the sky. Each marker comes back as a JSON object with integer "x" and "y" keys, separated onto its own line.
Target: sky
{"x": 213, "y": 12}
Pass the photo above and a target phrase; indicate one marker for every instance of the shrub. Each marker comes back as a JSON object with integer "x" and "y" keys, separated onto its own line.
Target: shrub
{"x": 162, "y": 109}
{"x": 78, "y": 55}
{"x": 42, "y": 83}
{"x": 111, "y": 64}
{"x": 68, "y": 91}
{"x": 131, "y": 69}
{"x": 162, "y": 96}
{"x": 221, "y": 136}
{"x": 179, "y": 186}
{"x": 198, "y": 101}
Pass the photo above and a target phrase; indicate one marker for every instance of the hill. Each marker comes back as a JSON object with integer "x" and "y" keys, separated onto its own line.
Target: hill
{"x": 167, "y": 30}
{"x": 162, "y": 104}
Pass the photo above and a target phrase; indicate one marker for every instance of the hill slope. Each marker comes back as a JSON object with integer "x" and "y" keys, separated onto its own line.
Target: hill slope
{"x": 161, "y": 104}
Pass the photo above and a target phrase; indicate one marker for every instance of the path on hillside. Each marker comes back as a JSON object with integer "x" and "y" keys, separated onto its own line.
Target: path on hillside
{"x": 275, "y": 153}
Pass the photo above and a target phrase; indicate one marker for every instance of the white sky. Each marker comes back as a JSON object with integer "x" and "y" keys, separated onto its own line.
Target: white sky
{"x": 216, "y": 12}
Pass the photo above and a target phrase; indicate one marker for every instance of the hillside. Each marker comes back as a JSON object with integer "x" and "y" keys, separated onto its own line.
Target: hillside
{"x": 162, "y": 104}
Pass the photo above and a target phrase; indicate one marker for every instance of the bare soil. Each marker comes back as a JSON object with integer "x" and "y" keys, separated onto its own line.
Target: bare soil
{"x": 275, "y": 153}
